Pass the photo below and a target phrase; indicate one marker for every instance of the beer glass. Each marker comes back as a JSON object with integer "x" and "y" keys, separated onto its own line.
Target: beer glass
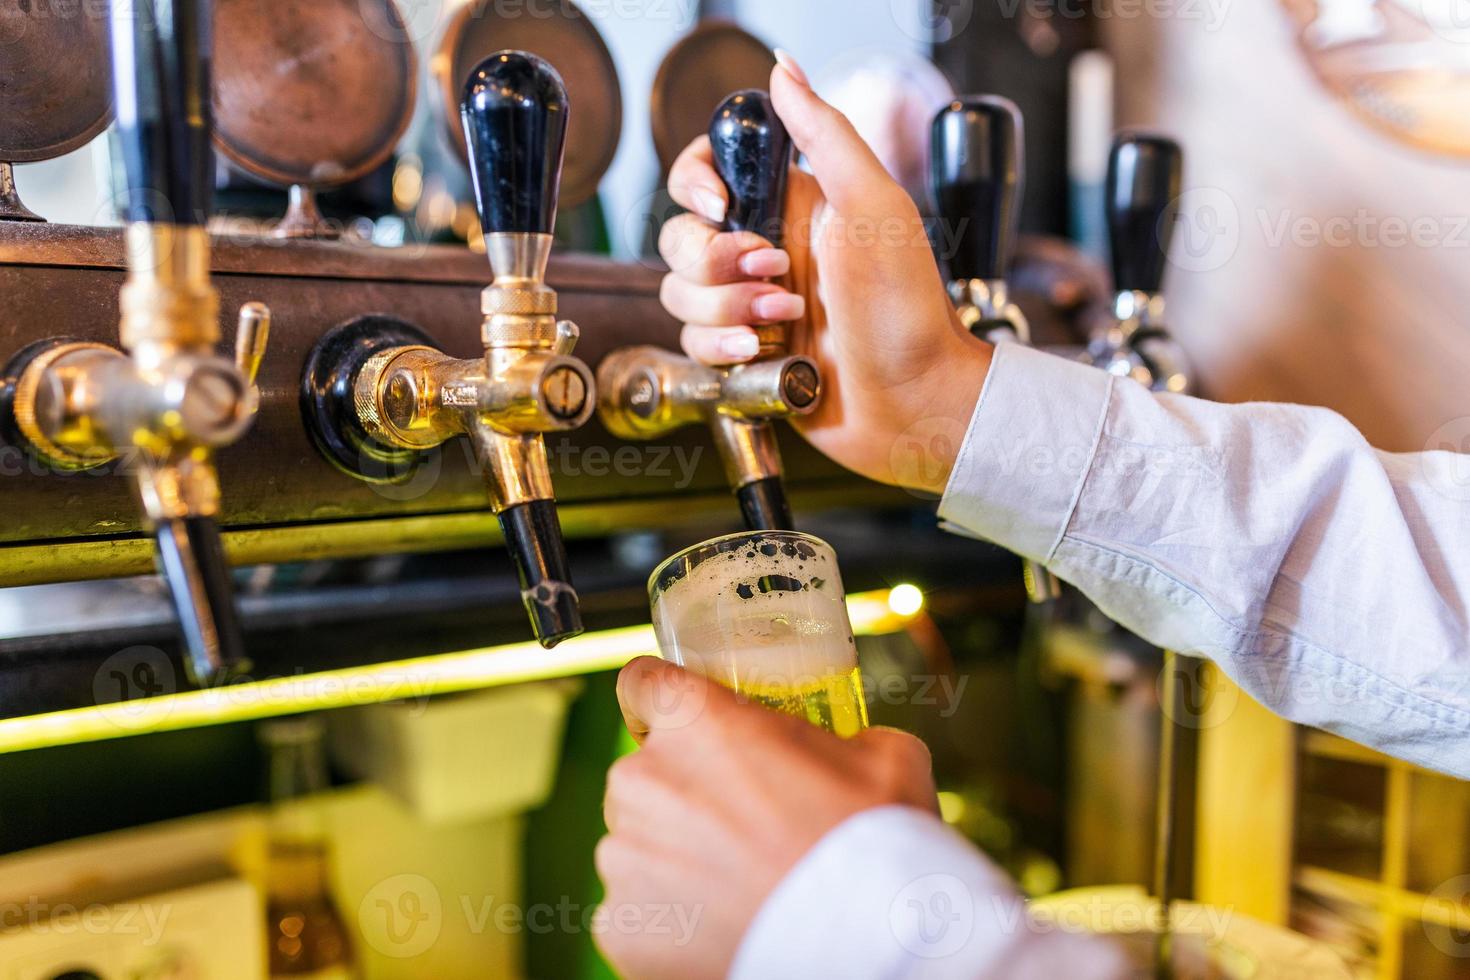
{"x": 764, "y": 613}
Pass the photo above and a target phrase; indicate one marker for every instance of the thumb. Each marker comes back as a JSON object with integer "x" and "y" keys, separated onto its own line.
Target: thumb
{"x": 845, "y": 166}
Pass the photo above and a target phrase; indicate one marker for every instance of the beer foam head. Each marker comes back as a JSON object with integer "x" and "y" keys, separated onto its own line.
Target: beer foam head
{"x": 761, "y": 611}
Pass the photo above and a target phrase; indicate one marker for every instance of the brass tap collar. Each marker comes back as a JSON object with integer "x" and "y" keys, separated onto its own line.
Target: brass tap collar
{"x": 530, "y": 300}
{"x": 168, "y": 300}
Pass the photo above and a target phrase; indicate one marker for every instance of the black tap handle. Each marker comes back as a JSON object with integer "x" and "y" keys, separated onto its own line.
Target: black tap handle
{"x": 191, "y": 558}
{"x": 753, "y": 157}
{"x": 1145, "y": 176}
{"x": 514, "y": 113}
{"x": 533, "y": 535}
{"x": 764, "y": 506}
{"x": 976, "y": 173}
{"x": 161, "y": 53}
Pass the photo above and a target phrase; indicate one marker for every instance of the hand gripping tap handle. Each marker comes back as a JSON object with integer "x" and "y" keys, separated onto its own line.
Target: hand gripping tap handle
{"x": 752, "y": 154}
{"x": 1145, "y": 176}
{"x": 976, "y": 174}
{"x": 161, "y": 80}
{"x": 514, "y": 113}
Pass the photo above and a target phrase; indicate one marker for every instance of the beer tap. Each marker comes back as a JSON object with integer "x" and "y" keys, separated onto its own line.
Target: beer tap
{"x": 976, "y": 173}
{"x": 1144, "y": 179}
{"x": 376, "y": 389}
{"x": 646, "y": 392}
{"x": 1145, "y": 173}
{"x": 166, "y": 405}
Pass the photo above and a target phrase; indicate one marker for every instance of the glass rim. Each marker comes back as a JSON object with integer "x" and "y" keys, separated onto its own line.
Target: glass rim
{"x": 725, "y": 539}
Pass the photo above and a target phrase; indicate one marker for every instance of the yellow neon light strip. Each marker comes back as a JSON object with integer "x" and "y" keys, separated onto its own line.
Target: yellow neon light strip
{"x": 413, "y": 679}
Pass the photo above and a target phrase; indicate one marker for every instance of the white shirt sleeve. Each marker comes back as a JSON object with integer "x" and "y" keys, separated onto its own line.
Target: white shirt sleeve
{"x": 894, "y": 894}
{"x": 1328, "y": 579}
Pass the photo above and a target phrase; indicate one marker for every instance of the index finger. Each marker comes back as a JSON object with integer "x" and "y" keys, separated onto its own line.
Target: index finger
{"x": 655, "y": 695}
{"x": 694, "y": 183}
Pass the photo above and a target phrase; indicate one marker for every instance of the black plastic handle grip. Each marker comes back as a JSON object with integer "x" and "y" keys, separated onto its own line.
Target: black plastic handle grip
{"x": 1145, "y": 177}
{"x": 514, "y": 113}
{"x": 764, "y": 506}
{"x": 752, "y": 153}
{"x": 533, "y": 535}
{"x": 191, "y": 558}
{"x": 161, "y": 54}
{"x": 976, "y": 172}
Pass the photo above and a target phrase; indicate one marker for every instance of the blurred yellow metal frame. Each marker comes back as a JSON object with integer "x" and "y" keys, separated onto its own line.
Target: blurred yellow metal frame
{"x": 872, "y": 614}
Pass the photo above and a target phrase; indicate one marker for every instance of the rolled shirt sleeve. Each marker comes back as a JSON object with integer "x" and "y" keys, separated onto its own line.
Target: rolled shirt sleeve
{"x": 893, "y": 893}
{"x": 1328, "y": 579}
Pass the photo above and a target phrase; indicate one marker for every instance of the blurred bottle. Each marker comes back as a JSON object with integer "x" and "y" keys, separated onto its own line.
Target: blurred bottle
{"x": 305, "y": 931}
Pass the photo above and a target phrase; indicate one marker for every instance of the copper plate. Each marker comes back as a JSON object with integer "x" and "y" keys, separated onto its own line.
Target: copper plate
{"x": 55, "y": 78}
{"x": 715, "y": 59}
{"x": 564, "y": 36}
{"x": 316, "y": 94}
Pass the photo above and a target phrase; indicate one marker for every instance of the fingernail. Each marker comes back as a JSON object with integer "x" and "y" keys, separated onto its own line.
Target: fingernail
{"x": 765, "y": 262}
{"x": 776, "y": 307}
{"x": 710, "y": 204}
{"x": 740, "y": 346}
{"x": 784, "y": 59}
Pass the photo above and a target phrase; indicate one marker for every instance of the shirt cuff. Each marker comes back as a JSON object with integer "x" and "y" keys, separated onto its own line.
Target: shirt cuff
{"x": 890, "y": 892}
{"x": 1028, "y": 450}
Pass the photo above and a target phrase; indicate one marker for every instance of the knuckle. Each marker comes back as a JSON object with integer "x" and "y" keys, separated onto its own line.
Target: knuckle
{"x": 678, "y": 235}
{"x": 669, "y": 290}
{"x": 609, "y": 856}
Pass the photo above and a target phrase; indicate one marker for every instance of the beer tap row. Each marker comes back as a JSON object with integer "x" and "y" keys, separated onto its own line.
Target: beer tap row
{"x": 378, "y": 394}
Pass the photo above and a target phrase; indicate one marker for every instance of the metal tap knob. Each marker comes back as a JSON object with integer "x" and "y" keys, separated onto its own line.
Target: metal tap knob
{"x": 976, "y": 176}
{"x": 752, "y": 154}
{"x": 1145, "y": 174}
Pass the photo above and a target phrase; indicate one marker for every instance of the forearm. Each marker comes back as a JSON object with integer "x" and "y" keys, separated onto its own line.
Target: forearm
{"x": 894, "y": 893}
{"x": 1328, "y": 579}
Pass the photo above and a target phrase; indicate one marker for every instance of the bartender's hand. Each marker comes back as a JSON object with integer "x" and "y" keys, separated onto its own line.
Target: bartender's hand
{"x": 720, "y": 802}
{"x": 865, "y": 299}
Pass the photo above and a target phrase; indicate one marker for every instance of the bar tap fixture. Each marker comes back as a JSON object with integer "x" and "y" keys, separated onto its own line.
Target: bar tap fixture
{"x": 165, "y": 406}
{"x": 976, "y": 176}
{"x": 647, "y": 392}
{"x": 378, "y": 390}
{"x": 977, "y": 173}
{"x": 1145, "y": 174}
{"x": 1144, "y": 179}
